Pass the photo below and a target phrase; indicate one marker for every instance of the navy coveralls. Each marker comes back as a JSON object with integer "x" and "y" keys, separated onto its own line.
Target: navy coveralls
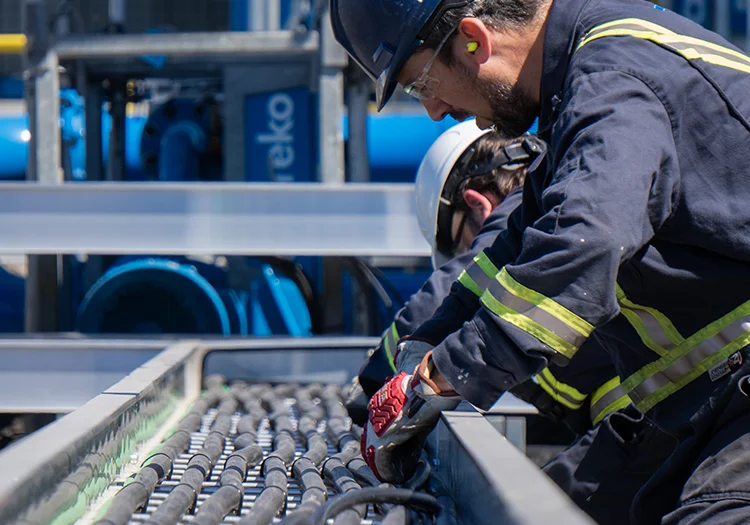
{"x": 638, "y": 227}
{"x": 561, "y": 393}
{"x": 623, "y": 444}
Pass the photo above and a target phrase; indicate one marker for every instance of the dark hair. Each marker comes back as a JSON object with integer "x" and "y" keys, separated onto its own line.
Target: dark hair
{"x": 499, "y": 182}
{"x": 496, "y": 184}
{"x": 497, "y": 14}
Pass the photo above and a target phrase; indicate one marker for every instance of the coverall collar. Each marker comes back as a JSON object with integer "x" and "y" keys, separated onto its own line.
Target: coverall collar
{"x": 562, "y": 32}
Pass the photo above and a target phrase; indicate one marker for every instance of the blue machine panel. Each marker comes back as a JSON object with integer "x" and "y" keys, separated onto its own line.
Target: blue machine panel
{"x": 699, "y": 11}
{"x": 738, "y": 17}
{"x": 279, "y": 136}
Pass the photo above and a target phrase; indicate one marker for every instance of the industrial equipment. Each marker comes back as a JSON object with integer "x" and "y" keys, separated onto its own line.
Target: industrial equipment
{"x": 168, "y": 444}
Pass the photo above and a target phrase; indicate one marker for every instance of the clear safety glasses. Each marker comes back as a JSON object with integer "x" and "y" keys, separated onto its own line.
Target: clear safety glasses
{"x": 425, "y": 87}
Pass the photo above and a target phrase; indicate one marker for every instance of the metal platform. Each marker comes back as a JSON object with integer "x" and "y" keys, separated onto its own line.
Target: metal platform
{"x": 66, "y": 471}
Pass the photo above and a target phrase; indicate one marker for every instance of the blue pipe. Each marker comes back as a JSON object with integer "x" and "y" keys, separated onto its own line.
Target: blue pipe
{"x": 153, "y": 296}
{"x": 14, "y": 146}
{"x": 179, "y": 152}
{"x": 396, "y": 144}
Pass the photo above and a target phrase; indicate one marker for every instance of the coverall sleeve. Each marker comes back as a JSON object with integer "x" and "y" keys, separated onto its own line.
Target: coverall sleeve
{"x": 461, "y": 303}
{"x": 608, "y": 192}
{"x": 423, "y": 304}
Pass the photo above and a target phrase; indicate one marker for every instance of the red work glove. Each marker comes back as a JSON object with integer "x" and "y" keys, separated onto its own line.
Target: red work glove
{"x": 401, "y": 414}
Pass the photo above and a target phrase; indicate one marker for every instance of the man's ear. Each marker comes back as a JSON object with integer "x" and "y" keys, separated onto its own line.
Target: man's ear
{"x": 478, "y": 203}
{"x": 475, "y": 41}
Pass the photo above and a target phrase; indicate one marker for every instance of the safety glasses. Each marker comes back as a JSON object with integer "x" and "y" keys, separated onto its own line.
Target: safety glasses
{"x": 425, "y": 87}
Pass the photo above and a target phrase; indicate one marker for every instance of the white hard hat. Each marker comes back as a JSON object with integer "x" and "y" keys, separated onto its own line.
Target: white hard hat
{"x": 432, "y": 175}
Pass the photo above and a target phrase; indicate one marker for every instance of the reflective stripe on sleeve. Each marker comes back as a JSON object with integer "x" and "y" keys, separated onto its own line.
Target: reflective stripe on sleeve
{"x": 564, "y": 394}
{"x": 608, "y": 398}
{"x": 550, "y": 322}
{"x": 477, "y": 277}
{"x": 390, "y": 340}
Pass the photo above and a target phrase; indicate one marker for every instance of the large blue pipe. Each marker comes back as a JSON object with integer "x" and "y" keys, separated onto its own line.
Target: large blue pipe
{"x": 14, "y": 145}
{"x": 396, "y": 144}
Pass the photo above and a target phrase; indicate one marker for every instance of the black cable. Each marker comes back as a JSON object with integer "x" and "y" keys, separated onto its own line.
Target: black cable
{"x": 272, "y": 498}
{"x": 314, "y": 492}
{"x": 247, "y": 454}
{"x": 366, "y": 290}
{"x": 136, "y": 492}
{"x": 371, "y": 495}
{"x": 386, "y": 283}
{"x": 183, "y": 496}
{"x": 296, "y": 273}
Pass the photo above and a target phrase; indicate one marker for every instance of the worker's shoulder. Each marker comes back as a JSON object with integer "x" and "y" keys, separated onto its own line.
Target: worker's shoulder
{"x": 625, "y": 37}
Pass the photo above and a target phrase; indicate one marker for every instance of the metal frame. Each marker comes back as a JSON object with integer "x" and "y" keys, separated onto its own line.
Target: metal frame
{"x": 490, "y": 480}
{"x": 120, "y": 55}
{"x": 210, "y": 218}
{"x": 98, "y": 432}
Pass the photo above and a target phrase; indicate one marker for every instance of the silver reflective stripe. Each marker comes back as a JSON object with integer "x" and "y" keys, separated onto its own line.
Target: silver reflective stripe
{"x": 685, "y": 364}
{"x": 477, "y": 275}
{"x": 654, "y": 329}
{"x": 606, "y": 400}
{"x": 548, "y": 321}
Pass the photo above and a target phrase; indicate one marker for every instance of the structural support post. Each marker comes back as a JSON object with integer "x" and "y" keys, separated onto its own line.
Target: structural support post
{"x": 331, "y": 104}
{"x": 721, "y": 18}
{"x": 44, "y": 166}
{"x": 357, "y": 100}
{"x": 117, "y": 111}
{"x": 264, "y": 15}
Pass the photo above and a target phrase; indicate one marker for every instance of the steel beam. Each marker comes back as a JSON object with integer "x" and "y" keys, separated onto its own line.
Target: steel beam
{"x": 59, "y": 375}
{"x": 210, "y": 218}
{"x": 256, "y": 44}
{"x": 490, "y": 480}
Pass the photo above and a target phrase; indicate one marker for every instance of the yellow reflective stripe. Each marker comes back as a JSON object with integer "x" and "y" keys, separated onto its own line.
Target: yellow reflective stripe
{"x": 606, "y": 399}
{"x": 643, "y": 333}
{"x": 560, "y": 392}
{"x": 487, "y": 266}
{"x": 654, "y": 328}
{"x": 694, "y": 356}
{"x": 469, "y": 284}
{"x": 616, "y": 405}
{"x": 604, "y": 389}
{"x": 631, "y": 23}
{"x": 546, "y": 336}
{"x": 478, "y": 275}
{"x": 688, "y": 47}
{"x": 389, "y": 344}
{"x": 545, "y": 303}
{"x": 567, "y": 390}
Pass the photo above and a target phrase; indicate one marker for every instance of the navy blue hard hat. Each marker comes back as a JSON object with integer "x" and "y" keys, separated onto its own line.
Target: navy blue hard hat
{"x": 381, "y": 35}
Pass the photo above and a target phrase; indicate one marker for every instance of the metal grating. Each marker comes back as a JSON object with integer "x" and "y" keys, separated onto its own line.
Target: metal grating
{"x": 279, "y": 403}
{"x": 253, "y": 481}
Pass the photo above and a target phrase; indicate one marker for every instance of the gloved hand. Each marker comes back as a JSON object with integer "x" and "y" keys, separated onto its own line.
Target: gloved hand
{"x": 409, "y": 353}
{"x": 401, "y": 414}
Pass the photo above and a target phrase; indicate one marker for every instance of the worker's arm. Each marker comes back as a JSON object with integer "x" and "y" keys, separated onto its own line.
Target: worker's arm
{"x": 422, "y": 305}
{"x": 613, "y": 182}
{"x": 462, "y": 303}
